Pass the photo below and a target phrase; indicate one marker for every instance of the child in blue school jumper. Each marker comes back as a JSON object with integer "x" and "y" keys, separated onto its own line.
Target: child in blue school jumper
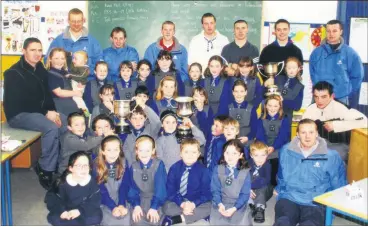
{"x": 195, "y": 78}
{"x": 291, "y": 88}
{"x": 202, "y": 115}
{"x": 91, "y": 91}
{"x": 111, "y": 173}
{"x": 260, "y": 171}
{"x": 230, "y": 187}
{"x": 125, "y": 87}
{"x": 143, "y": 121}
{"x": 247, "y": 73}
{"x": 273, "y": 129}
{"x": 165, "y": 67}
{"x": 188, "y": 187}
{"x": 168, "y": 142}
{"x": 214, "y": 143}
{"x": 118, "y": 52}
{"x": 165, "y": 95}
{"x": 216, "y": 84}
{"x": 144, "y": 76}
{"x": 106, "y": 106}
{"x": 147, "y": 192}
{"x": 74, "y": 198}
{"x": 243, "y": 111}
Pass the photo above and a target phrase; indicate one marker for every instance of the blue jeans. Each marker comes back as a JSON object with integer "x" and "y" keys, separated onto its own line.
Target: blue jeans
{"x": 50, "y": 143}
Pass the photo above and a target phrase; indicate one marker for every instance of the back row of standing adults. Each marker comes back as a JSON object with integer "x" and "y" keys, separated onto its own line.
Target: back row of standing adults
{"x": 333, "y": 61}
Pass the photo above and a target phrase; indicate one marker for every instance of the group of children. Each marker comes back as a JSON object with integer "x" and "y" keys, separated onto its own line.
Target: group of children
{"x": 150, "y": 176}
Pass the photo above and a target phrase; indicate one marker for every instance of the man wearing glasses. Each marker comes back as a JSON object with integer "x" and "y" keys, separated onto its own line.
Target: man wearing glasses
{"x": 75, "y": 37}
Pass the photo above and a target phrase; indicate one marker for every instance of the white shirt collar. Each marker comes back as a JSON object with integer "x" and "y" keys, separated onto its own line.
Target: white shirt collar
{"x": 72, "y": 182}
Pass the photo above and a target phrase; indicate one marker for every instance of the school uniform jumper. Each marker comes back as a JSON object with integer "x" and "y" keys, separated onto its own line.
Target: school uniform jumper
{"x": 101, "y": 109}
{"x": 91, "y": 95}
{"x": 197, "y": 190}
{"x": 151, "y": 127}
{"x": 114, "y": 193}
{"x": 232, "y": 189}
{"x": 125, "y": 90}
{"x": 189, "y": 85}
{"x": 160, "y": 106}
{"x": 71, "y": 143}
{"x": 254, "y": 89}
{"x": 219, "y": 91}
{"x": 148, "y": 188}
{"x": 213, "y": 151}
{"x": 201, "y": 119}
{"x": 85, "y": 197}
{"x": 168, "y": 147}
{"x": 261, "y": 179}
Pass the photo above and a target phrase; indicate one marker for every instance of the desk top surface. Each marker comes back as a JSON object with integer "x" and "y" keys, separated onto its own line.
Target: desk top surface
{"x": 337, "y": 199}
{"x": 17, "y": 134}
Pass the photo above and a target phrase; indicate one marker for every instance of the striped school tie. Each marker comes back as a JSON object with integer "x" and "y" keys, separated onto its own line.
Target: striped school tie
{"x": 213, "y": 84}
{"x": 209, "y": 153}
{"x": 287, "y": 83}
{"x": 255, "y": 173}
{"x": 231, "y": 174}
{"x": 184, "y": 182}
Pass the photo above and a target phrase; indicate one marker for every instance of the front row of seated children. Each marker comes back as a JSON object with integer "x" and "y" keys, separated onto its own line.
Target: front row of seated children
{"x": 110, "y": 191}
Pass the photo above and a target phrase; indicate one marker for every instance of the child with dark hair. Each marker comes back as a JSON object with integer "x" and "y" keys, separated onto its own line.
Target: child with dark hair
{"x": 91, "y": 91}
{"x": 247, "y": 73}
{"x": 165, "y": 66}
{"x": 101, "y": 125}
{"x": 75, "y": 140}
{"x": 106, "y": 105}
{"x": 202, "y": 116}
{"x": 75, "y": 198}
{"x": 125, "y": 87}
{"x": 144, "y": 76}
{"x": 195, "y": 78}
{"x": 111, "y": 172}
{"x": 230, "y": 187}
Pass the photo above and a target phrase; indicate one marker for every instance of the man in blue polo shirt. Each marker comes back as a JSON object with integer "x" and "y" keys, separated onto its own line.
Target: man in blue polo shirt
{"x": 75, "y": 37}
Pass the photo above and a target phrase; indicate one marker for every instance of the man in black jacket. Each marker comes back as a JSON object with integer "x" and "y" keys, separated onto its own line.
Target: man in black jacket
{"x": 28, "y": 105}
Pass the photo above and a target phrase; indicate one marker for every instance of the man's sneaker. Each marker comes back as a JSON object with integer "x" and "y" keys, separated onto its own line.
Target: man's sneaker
{"x": 167, "y": 221}
{"x": 45, "y": 177}
{"x": 259, "y": 215}
{"x": 252, "y": 209}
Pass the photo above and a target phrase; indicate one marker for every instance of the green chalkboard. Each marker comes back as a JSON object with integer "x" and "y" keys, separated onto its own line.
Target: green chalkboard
{"x": 142, "y": 19}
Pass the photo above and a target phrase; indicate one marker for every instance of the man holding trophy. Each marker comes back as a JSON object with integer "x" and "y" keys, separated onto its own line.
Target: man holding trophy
{"x": 273, "y": 56}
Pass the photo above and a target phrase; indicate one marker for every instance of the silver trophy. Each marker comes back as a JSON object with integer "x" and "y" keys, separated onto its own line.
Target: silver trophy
{"x": 121, "y": 111}
{"x": 271, "y": 70}
{"x": 184, "y": 110}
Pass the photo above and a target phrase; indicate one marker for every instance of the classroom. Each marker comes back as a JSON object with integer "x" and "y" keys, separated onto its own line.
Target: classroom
{"x": 184, "y": 113}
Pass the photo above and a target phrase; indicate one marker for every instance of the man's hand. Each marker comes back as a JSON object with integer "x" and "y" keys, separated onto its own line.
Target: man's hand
{"x": 78, "y": 93}
{"x": 229, "y": 212}
{"x": 116, "y": 212}
{"x": 270, "y": 150}
{"x": 221, "y": 209}
{"x": 123, "y": 210}
{"x": 328, "y": 126}
{"x": 65, "y": 215}
{"x": 137, "y": 214}
{"x": 152, "y": 215}
{"x": 54, "y": 117}
{"x": 74, "y": 213}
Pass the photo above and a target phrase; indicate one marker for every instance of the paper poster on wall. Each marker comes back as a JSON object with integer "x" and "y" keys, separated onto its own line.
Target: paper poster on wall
{"x": 305, "y": 36}
{"x": 21, "y": 19}
{"x": 359, "y": 37}
{"x": 363, "y": 96}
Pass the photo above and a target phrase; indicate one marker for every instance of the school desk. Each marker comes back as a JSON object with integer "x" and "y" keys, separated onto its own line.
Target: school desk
{"x": 28, "y": 138}
{"x": 358, "y": 155}
{"x": 338, "y": 202}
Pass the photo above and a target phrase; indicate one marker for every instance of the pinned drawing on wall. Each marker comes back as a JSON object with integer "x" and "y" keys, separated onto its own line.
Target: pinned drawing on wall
{"x": 21, "y": 19}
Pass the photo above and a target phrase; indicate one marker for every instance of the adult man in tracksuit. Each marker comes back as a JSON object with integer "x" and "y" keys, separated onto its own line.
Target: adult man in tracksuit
{"x": 170, "y": 43}
{"x": 307, "y": 169}
{"x": 338, "y": 64}
{"x": 28, "y": 105}
{"x": 75, "y": 37}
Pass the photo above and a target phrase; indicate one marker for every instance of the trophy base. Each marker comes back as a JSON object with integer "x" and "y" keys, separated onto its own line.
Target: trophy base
{"x": 122, "y": 129}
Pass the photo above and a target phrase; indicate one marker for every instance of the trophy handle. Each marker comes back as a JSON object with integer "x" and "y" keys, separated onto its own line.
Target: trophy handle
{"x": 282, "y": 67}
{"x": 258, "y": 67}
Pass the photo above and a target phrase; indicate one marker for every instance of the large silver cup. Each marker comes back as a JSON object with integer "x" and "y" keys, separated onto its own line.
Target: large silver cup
{"x": 184, "y": 110}
{"x": 121, "y": 111}
{"x": 271, "y": 70}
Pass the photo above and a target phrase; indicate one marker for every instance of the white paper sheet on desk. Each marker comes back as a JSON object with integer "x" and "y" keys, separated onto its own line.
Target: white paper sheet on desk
{"x": 10, "y": 145}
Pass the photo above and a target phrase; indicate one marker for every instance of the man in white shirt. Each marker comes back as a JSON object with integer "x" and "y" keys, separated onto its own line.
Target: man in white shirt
{"x": 334, "y": 119}
{"x": 207, "y": 43}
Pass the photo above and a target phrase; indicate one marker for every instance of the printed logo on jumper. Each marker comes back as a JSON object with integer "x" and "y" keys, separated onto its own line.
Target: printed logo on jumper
{"x": 85, "y": 48}
{"x": 175, "y": 57}
{"x": 316, "y": 165}
{"x": 339, "y": 62}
